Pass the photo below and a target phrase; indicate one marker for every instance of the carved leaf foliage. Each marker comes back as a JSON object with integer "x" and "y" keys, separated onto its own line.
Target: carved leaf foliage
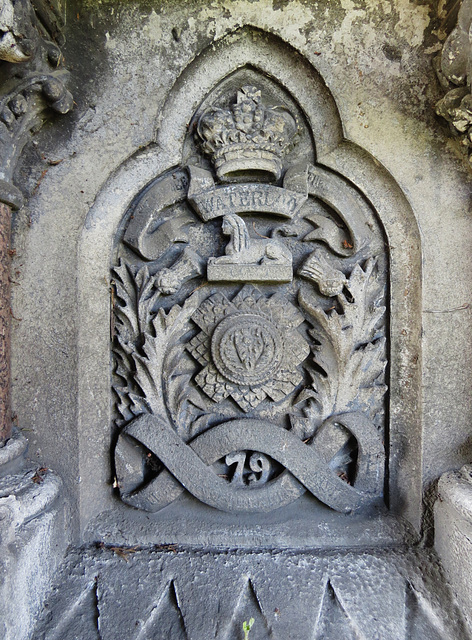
{"x": 200, "y": 424}
{"x": 350, "y": 348}
{"x": 126, "y": 335}
{"x": 321, "y": 396}
{"x": 146, "y": 369}
{"x": 137, "y": 295}
{"x": 148, "y": 374}
{"x": 185, "y": 403}
{"x": 123, "y": 404}
{"x": 141, "y": 341}
{"x": 125, "y": 307}
{"x": 122, "y": 367}
{"x": 146, "y": 298}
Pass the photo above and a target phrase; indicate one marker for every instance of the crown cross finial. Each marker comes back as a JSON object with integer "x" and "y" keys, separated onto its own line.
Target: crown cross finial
{"x": 248, "y": 137}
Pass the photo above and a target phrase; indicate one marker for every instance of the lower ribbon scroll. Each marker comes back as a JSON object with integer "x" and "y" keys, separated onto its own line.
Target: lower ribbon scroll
{"x": 189, "y": 466}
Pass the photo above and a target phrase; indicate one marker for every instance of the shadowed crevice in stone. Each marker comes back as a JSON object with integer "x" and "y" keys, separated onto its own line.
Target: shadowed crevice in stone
{"x": 248, "y": 607}
{"x": 333, "y": 621}
{"x": 80, "y": 619}
{"x": 165, "y": 619}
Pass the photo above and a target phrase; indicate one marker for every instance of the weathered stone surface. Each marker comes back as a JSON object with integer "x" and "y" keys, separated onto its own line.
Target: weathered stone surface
{"x": 33, "y": 542}
{"x": 32, "y": 82}
{"x": 57, "y": 243}
{"x": 454, "y": 68}
{"x": 359, "y": 79}
{"x": 453, "y": 534}
{"x": 237, "y": 425}
{"x": 5, "y": 323}
{"x": 209, "y": 595}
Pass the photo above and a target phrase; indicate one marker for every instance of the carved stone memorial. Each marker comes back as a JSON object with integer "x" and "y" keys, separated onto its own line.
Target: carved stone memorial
{"x": 249, "y": 371}
{"x": 240, "y": 315}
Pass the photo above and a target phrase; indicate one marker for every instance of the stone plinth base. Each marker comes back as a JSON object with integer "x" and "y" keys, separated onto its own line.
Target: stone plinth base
{"x": 249, "y": 272}
{"x": 32, "y": 538}
{"x": 124, "y": 593}
{"x": 453, "y": 533}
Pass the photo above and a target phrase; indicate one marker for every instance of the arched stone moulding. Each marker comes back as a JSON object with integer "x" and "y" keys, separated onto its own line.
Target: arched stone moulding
{"x": 269, "y": 55}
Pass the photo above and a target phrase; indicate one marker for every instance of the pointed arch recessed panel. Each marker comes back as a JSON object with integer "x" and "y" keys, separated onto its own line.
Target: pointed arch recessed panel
{"x": 283, "y": 363}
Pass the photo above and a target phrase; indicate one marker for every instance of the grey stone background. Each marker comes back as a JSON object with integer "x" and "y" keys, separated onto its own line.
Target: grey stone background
{"x": 124, "y": 58}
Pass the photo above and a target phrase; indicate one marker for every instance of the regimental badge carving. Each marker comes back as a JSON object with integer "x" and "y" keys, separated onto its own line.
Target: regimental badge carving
{"x": 249, "y": 322}
{"x": 249, "y": 348}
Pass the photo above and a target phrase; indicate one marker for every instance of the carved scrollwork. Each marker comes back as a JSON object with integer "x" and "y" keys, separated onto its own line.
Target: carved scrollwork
{"x": 453, "y": 66}
{"x": 248, "y": 396}
{"x": 305, "y": 468}
{"x": 24, "y": 100}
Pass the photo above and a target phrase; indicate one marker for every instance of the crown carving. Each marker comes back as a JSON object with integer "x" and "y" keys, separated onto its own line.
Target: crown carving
{"x": 247, "y": 137}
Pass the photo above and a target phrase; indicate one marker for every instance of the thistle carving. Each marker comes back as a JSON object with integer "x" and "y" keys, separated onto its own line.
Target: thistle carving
{"x": 330, "y": 281}
{"x": 258, "y": 363}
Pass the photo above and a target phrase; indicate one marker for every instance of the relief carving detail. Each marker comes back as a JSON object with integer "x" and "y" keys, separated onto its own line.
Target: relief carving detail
{"x": 246, "y": 258}
{"x": 250, "y": 371}
{"x": 26, "y": 94}
{"x": 453, "y": 67}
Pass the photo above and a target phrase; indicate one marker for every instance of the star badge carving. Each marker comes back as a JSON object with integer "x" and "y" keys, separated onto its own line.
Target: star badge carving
{"x": 249, "y": 348}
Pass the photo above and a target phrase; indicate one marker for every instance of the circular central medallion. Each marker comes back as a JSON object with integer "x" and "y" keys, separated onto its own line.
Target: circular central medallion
{"x": 247, "y": 348}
